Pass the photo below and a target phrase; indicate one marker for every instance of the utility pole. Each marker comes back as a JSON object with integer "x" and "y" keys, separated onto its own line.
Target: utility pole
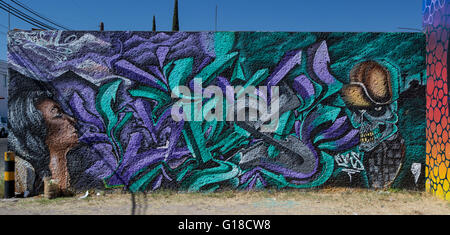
{"x": 175, "y": 23}
{"x": 102, "y": 26}
{"x": 154, "y": 24}
{"x": 9, "y": 19}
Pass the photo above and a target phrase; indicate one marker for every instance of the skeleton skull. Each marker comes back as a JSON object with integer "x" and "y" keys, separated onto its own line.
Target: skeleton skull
{"x": 376, "y": 124}
{"x": 369, "y": 96}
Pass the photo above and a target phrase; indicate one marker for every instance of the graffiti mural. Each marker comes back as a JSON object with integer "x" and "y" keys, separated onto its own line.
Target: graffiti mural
{"x": 436, "y": 25}
{"x": 95, "y": 109}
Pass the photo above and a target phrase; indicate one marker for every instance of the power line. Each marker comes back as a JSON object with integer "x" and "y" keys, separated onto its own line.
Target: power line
{"x": 37, "y": 14}
{"x": 17, "y": 11}
{"x": 7, "y": 10}
{"x": 12, "y": 10}
{"x": 23, "y": 16}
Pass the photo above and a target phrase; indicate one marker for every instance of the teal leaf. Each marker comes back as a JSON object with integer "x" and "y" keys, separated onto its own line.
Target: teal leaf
{"x": 157, "y": 95}
{"x": 199, "y": 178}
{"x": 193, "y": 134}
{"x": 104, "y": 103}
{"x": 181, "y": 70}
{"x": 216, "y": 67}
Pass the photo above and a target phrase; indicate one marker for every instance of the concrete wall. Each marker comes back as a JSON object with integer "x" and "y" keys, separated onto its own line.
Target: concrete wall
{"x": 93, "y": 109}
{"x": 3, "y": 89}
{"x": 437, "y": 26}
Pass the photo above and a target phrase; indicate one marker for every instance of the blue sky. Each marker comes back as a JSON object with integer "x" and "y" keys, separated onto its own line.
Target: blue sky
{"x": 233, "y": 15}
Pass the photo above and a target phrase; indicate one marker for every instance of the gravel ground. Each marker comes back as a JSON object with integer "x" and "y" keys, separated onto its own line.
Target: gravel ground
{"x": 340, "y": 201}
{"x": 311, "y": 202}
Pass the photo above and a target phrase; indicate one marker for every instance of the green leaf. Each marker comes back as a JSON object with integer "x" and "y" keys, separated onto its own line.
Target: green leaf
{"x": 105, "y": 100}
{"x": 193, "y": 134}
{"x": 199, "y": 178}
{"x": 216, "y": 67}
{"x": 238, "y": 72}
{"x": 180, "y": 72}
{"x": 145, "y": 180}
{"x": 152, "y": 93}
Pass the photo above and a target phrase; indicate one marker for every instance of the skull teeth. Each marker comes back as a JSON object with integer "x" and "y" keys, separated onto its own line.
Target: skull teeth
{"x": 367, "y": 137}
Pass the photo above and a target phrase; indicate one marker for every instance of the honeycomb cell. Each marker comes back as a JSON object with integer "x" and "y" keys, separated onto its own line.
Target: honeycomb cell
{"x": 433, "y": 127}
{"x": 439, "y": 191}
{"x": 444, "y": 59}
{"x": 442, "y": 170}
{"x": 438, "y": 73}
{"x": 444, "y": 122}
{"x": 447, "y": 150}
{"x": 433, "y": 154}
{"x": 439, "y": 50}
{"x": 430, "y": 85}
{"x": 432, "y": 41}
{"x": 439, "y": 83}
{"x": 437, "y": 115}
{"x": 439, "y": 132}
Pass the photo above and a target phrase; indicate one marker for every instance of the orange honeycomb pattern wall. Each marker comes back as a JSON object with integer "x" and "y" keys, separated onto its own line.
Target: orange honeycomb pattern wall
{"x": 437, "y": 171}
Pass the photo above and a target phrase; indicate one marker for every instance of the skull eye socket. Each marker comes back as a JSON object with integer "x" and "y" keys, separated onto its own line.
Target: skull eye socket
{"x": 377, "y": 111}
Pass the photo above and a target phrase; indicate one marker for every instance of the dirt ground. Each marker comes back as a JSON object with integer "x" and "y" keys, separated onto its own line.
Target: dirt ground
{"x": 332, "y": 201}
{"x": 340, "y": 201}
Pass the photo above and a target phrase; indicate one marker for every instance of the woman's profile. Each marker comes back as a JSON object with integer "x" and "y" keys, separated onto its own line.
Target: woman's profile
{"x": 42, "y": 134}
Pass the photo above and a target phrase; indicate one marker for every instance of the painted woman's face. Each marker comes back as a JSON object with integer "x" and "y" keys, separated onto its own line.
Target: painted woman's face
{"x": 62, "y": 134}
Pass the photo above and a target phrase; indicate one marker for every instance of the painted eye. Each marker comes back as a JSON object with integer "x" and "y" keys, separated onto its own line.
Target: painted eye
{"x": 378, "y": 108}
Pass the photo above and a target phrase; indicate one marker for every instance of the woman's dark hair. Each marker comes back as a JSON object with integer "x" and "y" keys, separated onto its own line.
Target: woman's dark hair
{"x": 28, "y": 131}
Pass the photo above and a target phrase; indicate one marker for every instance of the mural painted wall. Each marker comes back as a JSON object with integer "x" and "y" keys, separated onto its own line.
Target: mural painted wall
{"x": 437, "y": 25}
{"x": 93, "y": 109}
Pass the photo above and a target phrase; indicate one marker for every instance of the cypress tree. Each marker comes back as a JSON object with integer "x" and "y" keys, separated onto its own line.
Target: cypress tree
{"x": 154, "y": 24}
{"x": 175, "y": 24}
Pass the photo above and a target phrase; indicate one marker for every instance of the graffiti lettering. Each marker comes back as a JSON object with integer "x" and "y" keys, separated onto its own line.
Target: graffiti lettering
{"x": 203, "y": 111}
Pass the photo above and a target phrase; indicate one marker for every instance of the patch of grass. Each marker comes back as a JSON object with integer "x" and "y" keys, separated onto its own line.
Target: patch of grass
{"x": 45, "y": 201}
{"x": 164, "y": 193}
